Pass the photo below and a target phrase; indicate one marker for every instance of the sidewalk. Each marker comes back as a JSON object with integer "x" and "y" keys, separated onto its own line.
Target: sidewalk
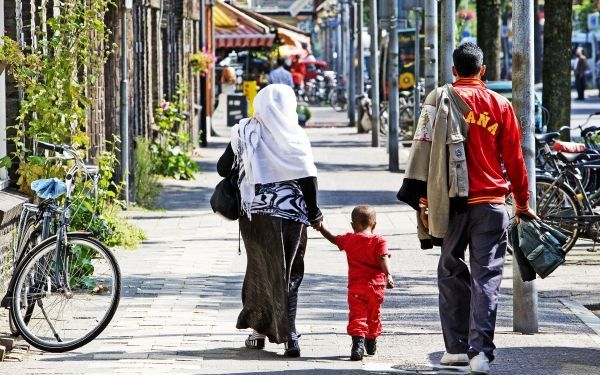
{"x": 181, "y": 291}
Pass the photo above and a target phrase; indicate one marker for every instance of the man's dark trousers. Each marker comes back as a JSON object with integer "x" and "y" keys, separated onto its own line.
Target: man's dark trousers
{"x": 468, "y": 301}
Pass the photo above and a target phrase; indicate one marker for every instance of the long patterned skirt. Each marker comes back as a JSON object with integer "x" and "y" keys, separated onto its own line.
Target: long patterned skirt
{"x": 275, "y": 248}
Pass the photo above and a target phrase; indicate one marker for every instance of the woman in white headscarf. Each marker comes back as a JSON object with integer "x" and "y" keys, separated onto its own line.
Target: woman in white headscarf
{"x": 278, "y": 188}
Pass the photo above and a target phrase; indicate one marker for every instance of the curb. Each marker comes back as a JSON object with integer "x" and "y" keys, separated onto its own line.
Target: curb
{"x": 586, "y": 316}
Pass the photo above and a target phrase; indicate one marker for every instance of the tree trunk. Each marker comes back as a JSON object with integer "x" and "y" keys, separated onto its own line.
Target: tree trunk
{"x": 537, "y": 40}
{"x": 488, "y": 36}
{"x": 556, "y": 70}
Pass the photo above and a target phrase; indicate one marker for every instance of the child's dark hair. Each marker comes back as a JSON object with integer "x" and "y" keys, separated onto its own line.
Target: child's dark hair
{"x": 363, "y": 215}
{"x": 468, "y": 59}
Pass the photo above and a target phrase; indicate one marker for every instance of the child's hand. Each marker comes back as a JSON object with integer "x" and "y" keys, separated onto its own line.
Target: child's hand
{"x": 389, "y": 282}
{"x": 318, "y": 225}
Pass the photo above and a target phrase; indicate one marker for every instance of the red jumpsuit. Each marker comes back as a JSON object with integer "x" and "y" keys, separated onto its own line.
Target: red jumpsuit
{"x": 366, "y": 282}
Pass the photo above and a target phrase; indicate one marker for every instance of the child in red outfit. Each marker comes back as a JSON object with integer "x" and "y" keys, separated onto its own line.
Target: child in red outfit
{"x": 368, "y": 276}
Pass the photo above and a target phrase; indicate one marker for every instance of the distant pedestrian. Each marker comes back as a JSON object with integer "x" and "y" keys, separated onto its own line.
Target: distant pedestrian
{"x": 581, "y": 72}
{"x": 598, "y": 74}
{"x": 281, "y": 74}
{"x": 228, "y": 78}
{"x": 466, "y": 138}
{"x": 368, "y": 276}
{"x": 278, "y": 188}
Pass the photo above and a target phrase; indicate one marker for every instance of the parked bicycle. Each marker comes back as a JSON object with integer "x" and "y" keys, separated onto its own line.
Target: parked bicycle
{"x": 566, "y": 185}
{"x": 66, "y": 286}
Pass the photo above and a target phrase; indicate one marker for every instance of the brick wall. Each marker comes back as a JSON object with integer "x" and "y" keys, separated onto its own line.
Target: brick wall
{"x": 10, "y": 209}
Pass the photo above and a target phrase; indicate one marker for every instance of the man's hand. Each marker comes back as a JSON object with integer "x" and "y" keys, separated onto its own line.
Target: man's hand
{"x": 389, "y": 281}
{"x": 527, "y": 212}
{"x": 424, "y": 216}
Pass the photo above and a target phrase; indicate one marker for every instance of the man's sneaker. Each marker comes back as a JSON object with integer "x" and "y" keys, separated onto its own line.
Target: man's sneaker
{"x": 371, "y": 346}
{"x": 292, "y": 349}
{"x": 358, "y": 348}
{"x": 448, "y": 359}
{"x": 480, "y": 364}
{"x": 255, "y": 341}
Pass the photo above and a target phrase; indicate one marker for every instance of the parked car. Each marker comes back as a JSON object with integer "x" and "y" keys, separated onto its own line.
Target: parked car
{"x": 504, "y": 88}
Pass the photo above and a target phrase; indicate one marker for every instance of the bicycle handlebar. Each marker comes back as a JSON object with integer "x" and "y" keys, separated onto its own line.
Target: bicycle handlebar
{"x": 50, "y": 147}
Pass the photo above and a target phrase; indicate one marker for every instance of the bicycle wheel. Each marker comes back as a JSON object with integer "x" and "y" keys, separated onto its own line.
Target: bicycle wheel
{"x": 75, "y": 295}
{"x": 31, "y": 238}
{"x": 557, "y": 205}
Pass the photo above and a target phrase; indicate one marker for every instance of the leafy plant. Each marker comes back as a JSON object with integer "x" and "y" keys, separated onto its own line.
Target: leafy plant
{"x": 55, "y": 78}
{"x": 98, "y": 210}
{"x": 171, "y": 145}
{"x": 202, "y": 61}
{"x": 147, "y": 188}
{"x": 10, "y": 54}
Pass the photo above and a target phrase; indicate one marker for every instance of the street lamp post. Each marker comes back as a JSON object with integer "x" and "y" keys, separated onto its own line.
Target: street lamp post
{"x": 124, "y": 110}
{"x": 389, "y": 20}
{"x": 447, "y": 43}
{"x": 525, "y": 311}
{"x": 374, "y": 74}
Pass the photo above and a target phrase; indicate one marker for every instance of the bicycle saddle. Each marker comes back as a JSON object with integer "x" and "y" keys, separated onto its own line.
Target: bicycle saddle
{"x": 547, "y": 137}
{"x": 572, "y": 157}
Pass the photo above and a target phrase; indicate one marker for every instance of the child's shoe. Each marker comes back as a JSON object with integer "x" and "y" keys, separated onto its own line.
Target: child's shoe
{"x": 371, "y": 346}
{"x": 358, "y": 348}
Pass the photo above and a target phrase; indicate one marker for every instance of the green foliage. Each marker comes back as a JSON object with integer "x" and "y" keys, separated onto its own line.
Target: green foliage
{"x": 10, "y": 54}
{"x": 56, "y": 75}
{"x": 581, "y": 12}
{"x": 98, "y": 210}
{"x": 172, "y": 143}
{"x": 55, "y": 78}
{"x": 147, "y": 188}
{"x": 80, "y": 266}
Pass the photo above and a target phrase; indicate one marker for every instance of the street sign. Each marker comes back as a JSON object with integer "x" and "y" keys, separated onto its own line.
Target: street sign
{"x": 297, "y": 6}
{"x": 593, "y": 21}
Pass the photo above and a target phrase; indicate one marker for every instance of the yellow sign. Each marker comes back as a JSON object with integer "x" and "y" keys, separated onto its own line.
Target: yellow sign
{"x": 250, "y": 89}
{"x": 407, "y": 80}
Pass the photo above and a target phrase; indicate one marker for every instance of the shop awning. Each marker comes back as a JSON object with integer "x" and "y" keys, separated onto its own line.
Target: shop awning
{"x": 287, "y": 34}
{"x": 293, "y": 38}
{"x": 234, "y": 29}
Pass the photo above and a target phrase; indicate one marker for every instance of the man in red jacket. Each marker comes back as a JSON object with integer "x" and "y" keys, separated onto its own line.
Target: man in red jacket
{"x": 468, "y": 301}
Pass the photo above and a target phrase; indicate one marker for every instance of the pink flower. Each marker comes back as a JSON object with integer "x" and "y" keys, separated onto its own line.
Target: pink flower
{"x": 164, "y": 105}
{"x": 196, "y": 152}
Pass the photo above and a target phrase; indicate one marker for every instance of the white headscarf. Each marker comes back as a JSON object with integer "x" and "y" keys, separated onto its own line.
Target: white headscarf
{"x": 272, "y": 145}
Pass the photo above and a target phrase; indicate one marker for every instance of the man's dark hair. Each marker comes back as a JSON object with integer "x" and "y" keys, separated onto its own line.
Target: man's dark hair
{"x": 468, "y": 59}
{"x": 280, "y": 61}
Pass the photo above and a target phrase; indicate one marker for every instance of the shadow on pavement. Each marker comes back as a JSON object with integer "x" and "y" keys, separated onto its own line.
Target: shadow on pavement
{"x": 339, "y": 198}
{"x": 545, "y": 360}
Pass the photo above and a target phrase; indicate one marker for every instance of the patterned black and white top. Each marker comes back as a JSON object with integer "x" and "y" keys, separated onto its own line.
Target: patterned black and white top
{"x": 294, "y": 200}
{"x": 279, "y": 199}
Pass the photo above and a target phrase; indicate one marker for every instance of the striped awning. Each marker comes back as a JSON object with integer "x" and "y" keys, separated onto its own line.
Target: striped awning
{"x": 234, "y": 29}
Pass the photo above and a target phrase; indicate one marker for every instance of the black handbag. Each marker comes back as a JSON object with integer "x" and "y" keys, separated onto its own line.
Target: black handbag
{"x": 542, "y": 245}
{"x": 225, "y": 200}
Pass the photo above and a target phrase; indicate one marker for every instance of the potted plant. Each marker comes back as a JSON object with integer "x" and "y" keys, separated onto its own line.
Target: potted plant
{"x": 202, "y": 61}
{"x": 10, "y": 54}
